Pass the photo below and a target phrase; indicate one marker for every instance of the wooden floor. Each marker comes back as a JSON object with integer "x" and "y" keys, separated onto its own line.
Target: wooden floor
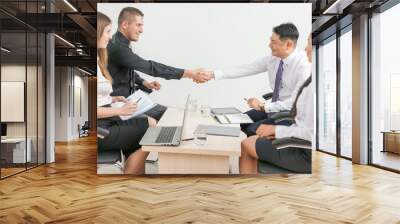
{"x": 387, "y": 159}
{"x": 69, "y": 191}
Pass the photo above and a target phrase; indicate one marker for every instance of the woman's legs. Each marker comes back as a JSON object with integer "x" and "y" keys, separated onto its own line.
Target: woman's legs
{"x": 248, "y": 162}
{"x": 135, "y": 162}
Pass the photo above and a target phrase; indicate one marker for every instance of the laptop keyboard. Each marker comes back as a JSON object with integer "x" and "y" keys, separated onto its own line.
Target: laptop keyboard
{"x": 166, "y": 134}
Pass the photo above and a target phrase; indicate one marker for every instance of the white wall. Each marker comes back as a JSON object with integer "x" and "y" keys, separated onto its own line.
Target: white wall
{"x": 211, "y": 36}
{"x": 68, "y": 82}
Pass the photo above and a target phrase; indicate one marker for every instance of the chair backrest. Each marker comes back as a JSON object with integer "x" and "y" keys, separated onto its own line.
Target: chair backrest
{"x": 86, "y": 125}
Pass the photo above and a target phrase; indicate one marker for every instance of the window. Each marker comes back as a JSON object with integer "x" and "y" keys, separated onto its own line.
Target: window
{"x": 22, "y": 75}
{"x": 346, "y": 93}
{"x": 385, "y": 89}
{"x": 327, "y": 96}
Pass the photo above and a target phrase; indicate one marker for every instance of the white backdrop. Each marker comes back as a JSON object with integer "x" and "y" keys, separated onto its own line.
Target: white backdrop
{"x": 211, "y": 36}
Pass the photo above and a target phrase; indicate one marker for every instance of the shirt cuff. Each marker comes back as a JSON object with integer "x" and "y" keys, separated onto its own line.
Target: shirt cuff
{"x": 269, "y": 107}
{"x": 280, "y": 131}
{"x": 218, "y": 74}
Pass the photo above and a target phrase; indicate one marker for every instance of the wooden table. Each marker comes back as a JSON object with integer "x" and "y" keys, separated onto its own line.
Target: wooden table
{"x": 188, "y": 158}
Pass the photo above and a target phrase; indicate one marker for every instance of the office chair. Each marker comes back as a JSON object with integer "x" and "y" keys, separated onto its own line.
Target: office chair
{"x": 84, "y": 130}
{"x": 109, "y": 161}
{"x": 267, "y": 96}
{"x": 283, "y": 143}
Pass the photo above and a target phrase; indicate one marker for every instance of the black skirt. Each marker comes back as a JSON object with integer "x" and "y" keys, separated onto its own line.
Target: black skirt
{"x": 124, "y": 134}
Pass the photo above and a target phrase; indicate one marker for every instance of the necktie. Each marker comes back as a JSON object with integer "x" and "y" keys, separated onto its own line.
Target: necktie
{"x": 294, "y": 107}
{"x": 278, "y": 80}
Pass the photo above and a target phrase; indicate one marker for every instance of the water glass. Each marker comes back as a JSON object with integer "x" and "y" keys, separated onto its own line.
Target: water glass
{"x": 200, "y": 138}
{"x": 205, "y": 110}
{"x": 192, "y": 105}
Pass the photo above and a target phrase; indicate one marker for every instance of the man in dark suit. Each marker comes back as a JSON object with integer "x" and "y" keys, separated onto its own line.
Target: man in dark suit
{"x": 123, "y": 62}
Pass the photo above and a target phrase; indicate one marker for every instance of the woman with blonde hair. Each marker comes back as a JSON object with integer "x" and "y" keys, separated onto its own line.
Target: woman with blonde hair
{"x": 124, "y": 134}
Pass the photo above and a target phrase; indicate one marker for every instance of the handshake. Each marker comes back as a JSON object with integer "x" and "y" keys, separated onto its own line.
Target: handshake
{"x": 199, "y": 75}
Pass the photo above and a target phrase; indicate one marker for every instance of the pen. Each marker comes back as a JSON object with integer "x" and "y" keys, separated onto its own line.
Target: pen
{"x": 187, "y": 139}
{"x": 138, "y": 100}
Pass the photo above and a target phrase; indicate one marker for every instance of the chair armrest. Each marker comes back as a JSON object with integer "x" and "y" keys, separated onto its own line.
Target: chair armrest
{"x": 282, "y": 116}
{"x": 291, "y": 142}
{"x": 102, "y": 132}
{"x": 267, "y": 96}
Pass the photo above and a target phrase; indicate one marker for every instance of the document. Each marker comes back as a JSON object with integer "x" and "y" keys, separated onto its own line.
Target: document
{"x": 143, "y": 105}
{"x": 233, "y": 119}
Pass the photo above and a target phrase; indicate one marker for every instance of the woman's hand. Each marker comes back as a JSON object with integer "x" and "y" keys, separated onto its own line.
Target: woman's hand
{"x": 128, "y": 109}
{"x": 119, "y": 99}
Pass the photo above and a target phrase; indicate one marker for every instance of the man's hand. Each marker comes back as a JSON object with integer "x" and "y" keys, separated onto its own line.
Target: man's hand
{"x": 118, "y": 99}
{"x": 198, "y": 75}
{"x": 266, "y": 131}
{"x": 208, "y": 75}
{"x": 255, "y": 104}
{"x": 152, "y": 85}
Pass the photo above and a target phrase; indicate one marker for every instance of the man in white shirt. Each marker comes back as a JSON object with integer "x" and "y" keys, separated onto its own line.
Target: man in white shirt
{"x": 287, "y": 70}
{"x": 260, "y": 147}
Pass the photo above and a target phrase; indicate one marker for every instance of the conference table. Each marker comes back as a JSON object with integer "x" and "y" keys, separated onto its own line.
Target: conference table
{"x": 219, "y": 154}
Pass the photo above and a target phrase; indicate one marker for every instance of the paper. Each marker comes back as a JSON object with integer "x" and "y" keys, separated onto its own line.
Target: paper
{"x": 143, "y": 105}
{"x": 225, "y": 110}
{"x": 234, "y": 119}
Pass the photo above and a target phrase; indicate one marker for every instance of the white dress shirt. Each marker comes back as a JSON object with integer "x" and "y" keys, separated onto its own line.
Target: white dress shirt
{"x": 304, "y": 120}
{"x": 104, "y": 89}
{"x": 296, "y": 70}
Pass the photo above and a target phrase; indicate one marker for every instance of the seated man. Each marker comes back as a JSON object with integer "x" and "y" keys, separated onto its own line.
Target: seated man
{"x": 287, "y": 69}
{"x": 260, "y": 147}
{"x": 123, "y": 62}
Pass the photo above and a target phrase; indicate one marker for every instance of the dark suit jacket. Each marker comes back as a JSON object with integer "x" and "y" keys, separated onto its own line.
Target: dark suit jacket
{"x": 122, "y": 64}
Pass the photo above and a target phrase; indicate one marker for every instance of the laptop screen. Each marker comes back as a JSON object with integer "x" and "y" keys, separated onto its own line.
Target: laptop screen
{"x": 184, "y": 114}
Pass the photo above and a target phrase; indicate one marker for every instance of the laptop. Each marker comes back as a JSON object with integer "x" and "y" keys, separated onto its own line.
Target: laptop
{"x": 167, "y": 135}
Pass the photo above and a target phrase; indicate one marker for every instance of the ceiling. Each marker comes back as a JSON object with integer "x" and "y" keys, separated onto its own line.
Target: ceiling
{"x": 76, "y": 23}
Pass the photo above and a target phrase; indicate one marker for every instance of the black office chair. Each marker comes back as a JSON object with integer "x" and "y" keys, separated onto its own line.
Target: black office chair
{"x": 267, "y": 96}
{"x": 84, "y": 130}
{"x": 282, "y": 143}
{"x": 102, "y": 132}
{"x": 283, "y": 116}
{"x": 104, "y": 156}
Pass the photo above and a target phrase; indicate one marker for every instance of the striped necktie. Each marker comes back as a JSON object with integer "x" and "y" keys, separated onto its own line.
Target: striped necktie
{"x": 278, "y": 80}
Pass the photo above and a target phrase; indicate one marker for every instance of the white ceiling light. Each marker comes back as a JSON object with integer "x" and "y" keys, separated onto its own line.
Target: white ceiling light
{"x": 86, "y": 72}
{"x": 70, "y": 5}
{"x": 338, "y": 6}
{"x": 65, "y": 41}
{"x": 5, "y": 50}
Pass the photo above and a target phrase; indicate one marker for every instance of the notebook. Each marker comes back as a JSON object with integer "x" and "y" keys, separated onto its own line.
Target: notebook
{"x": 218, "y": 130}
{"x": 225, "y": 110}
